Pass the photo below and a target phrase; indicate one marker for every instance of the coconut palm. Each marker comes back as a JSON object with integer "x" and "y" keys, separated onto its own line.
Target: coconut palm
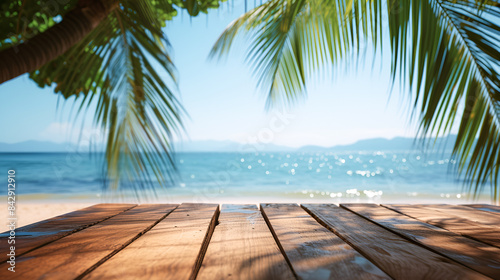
{"x": 112, "y": 53}
{"x": 446, "y": 53}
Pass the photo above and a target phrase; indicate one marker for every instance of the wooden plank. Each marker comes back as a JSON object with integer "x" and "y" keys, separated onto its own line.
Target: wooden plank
{"x": 313, "y": 251}
{"x": 396, "y": 256}
{"x": 484, "y": 233}
{"x": 242, "y": 247}
{"x": 173, "y": 249}
{"x": 32, "y": 236}
{"x": 485, "y": 207}
{"x": 469, "y": 213}
{"x": 473, "y": 254}
{"x": 69, "y": 257}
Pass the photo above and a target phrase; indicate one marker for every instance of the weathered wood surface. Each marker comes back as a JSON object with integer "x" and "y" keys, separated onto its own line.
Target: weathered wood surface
{"x": 242, "y": 247}
{"x": 452, "y": 222}
{"x": 485, "y": 207}
{"x": 396, "y": 256}
{"x": 35, "y": 235}
{"x": 173, "y": 249}
{"x": 478, "y": 216}
{"x": 473, "y": 254}
{"x": 279, "y": 241}
{"x": 313, "y": 251}
{"x": 71, "y": 256}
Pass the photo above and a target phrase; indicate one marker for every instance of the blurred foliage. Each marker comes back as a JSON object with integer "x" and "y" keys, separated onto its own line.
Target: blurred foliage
{"x": 445, "y": 53}
{"x": 22, "y": 19}
{"x": 124, "y": 67}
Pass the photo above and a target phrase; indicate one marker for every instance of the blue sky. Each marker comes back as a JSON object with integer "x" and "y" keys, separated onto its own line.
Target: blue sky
{"x": 223, "y": 102}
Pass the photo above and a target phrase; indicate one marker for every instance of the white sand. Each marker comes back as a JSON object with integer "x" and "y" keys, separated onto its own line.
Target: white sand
{"x": 31, "y": 212}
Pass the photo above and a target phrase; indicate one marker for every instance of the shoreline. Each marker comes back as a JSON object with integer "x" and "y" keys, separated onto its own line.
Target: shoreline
{"x": 30, "y": 210}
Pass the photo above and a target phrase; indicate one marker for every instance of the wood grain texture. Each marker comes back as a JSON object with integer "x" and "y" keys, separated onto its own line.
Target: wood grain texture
{"x": 170, "y": 250}
{"x": 475, "y": 215}
{"x": 313, "y": 251}
{"x": 242, "y": 247}
{"x": 473, "y": 254}
{"x": 485, "y": 207}
{"x": 396, "y": 256}
{"x": 69, "y": 257}
{"x": 452, "y": 222}
{"x": 37, "y": 234}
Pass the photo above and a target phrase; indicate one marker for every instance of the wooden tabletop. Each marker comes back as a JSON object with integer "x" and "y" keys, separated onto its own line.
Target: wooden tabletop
{"x": 272, "y": 241}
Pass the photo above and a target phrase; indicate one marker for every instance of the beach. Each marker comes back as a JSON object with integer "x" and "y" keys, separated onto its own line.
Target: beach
{"x": 34, "y": 211}
{"x": 51, "y": 184}
{"x": 29, "y": 210}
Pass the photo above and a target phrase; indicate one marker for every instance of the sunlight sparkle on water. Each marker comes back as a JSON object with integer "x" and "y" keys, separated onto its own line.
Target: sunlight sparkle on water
{"x": 300, "y": 175}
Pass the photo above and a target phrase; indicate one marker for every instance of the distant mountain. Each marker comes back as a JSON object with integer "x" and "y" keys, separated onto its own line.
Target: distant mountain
{"x": 374, "y": 144}
{"x": 188, "y": 146}
{"x": 33, "y": 146}
{"x": 383, "y": 144}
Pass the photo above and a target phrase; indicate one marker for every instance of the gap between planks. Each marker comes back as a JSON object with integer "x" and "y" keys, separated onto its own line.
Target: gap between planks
{"x": 207, "y": 241}
{"x": 452, "y": 221}
{"x": 485, "y": 207}
{"x": 173, "y": 249}
{"x": 243, "y": 247}
{"x": 396, "y": 256}
{"x": 313, "y": 251}
{"x": 42, "y": 233}
{"x": 74, "y": 254}
{"x": 468, "y": 252}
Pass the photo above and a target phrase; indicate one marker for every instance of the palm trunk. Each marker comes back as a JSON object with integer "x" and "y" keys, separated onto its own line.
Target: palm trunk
{"x": 44, "y": 47}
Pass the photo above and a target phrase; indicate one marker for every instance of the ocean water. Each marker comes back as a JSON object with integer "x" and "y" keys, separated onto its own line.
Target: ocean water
{"x": 336, "y": 177}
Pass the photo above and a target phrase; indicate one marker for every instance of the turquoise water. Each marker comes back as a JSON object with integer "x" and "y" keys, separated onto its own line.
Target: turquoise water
{"x": 365, "y": 176}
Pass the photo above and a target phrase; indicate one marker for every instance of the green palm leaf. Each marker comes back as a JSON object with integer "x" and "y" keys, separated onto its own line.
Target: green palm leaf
{"x": 124, "y": 67}
{"x": 124, "y": 64}
{"x": 290, "y": 40}
{"x": 453, "y": 69}
{"x": 446, "y": 51}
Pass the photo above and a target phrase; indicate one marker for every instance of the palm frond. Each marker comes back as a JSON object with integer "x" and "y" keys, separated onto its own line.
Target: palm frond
{"x": 452, "y": 66}
{"x": 291, "y": 40}
{"x": 446, "y": 51}
{"x": 125, "y": 66}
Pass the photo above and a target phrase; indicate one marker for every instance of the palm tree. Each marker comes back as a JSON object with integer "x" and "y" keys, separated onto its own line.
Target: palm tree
{"x": 114, "y": 53}
{"x": 445, "y": 52}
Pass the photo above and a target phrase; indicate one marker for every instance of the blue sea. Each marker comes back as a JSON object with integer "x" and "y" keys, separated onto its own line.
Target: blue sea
{"x": 337, "y": 177}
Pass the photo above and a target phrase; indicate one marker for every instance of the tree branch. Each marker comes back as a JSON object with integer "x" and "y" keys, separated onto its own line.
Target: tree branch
{"x": 44, "y": 47}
